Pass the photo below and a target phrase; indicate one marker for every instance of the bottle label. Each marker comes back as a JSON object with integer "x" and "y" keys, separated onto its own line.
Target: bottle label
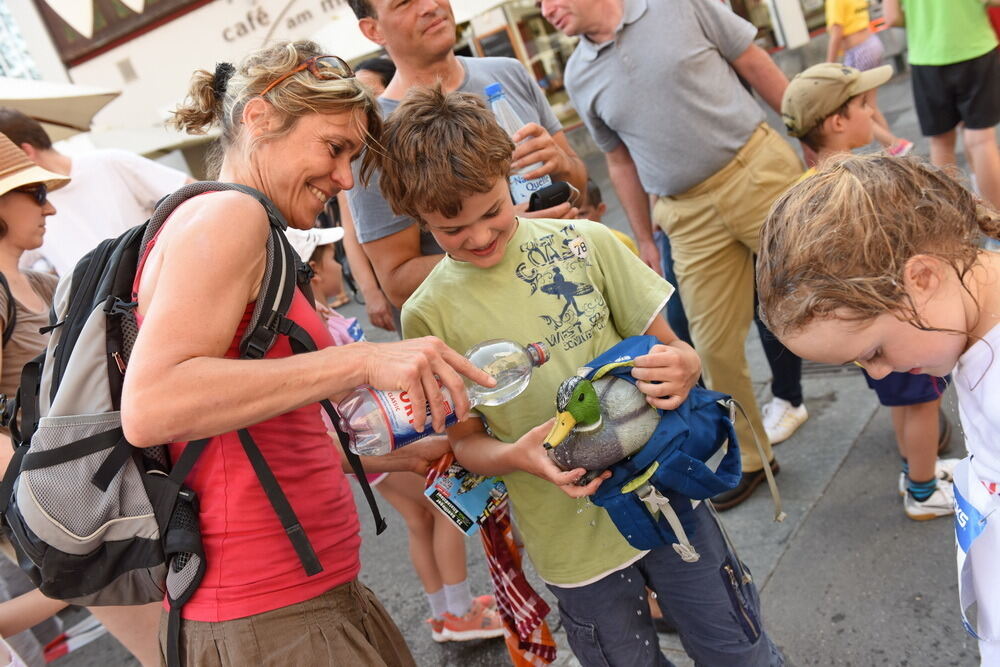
{"x": 522, "y": 189}
{"x": 399, "y": 412}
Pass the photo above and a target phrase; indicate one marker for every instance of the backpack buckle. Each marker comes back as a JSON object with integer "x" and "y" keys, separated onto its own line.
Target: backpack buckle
{"x": 255, "y": 347}
{"x": 278, "y": 323}
{"x": 303, "y": 273}
{"x": 115, "y": 306}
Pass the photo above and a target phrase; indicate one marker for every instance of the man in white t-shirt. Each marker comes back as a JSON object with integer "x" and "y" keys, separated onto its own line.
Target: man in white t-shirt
{"x": 109, "y": 192}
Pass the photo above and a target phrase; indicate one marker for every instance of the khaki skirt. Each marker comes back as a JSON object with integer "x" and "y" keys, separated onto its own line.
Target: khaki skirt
{"x": 344, "y": 626}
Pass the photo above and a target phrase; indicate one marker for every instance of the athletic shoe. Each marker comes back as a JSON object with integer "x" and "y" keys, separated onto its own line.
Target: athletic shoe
{"x": 437, "y": 629}
{"x": 781, "y": 419}
{"x": 480, "y": 622}
{"x": 487, "y": 601}
{"x": 901, "y": 148}
{"x": 938, "y": 504}
{"x": 942, "y": 470}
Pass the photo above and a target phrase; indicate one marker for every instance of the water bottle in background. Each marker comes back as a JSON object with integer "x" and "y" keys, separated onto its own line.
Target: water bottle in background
{"x": 520, "y": 187}
{"x": 381, "y": 421}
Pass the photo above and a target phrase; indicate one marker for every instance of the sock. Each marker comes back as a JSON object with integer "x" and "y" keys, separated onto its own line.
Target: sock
{"x": 906, "y": 467}
{"x": 921, "y": 491}
{"x": 438, "y": 603}
{"x": 459, "y": 598}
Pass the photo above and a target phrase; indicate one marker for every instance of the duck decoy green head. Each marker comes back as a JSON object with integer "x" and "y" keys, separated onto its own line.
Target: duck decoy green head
{"x": 576, "y": 404}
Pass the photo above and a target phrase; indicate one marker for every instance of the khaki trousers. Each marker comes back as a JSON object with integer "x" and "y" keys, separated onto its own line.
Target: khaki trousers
{"x": 714, "y": 230}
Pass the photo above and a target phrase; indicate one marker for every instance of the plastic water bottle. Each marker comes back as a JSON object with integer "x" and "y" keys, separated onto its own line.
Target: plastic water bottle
{"x": 520, "y": 187}
{"x": 381, "y": 421}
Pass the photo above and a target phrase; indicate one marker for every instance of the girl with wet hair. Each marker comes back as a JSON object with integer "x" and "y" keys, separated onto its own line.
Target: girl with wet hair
{"x": 879, "y": 261}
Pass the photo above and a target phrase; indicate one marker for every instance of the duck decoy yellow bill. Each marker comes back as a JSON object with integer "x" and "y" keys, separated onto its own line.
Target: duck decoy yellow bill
{"x": 562, "y": 428}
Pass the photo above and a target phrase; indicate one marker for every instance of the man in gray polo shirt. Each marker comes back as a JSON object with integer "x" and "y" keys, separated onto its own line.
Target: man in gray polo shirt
{"x": 419, "y": 36}
{"x": 656, "y": 83}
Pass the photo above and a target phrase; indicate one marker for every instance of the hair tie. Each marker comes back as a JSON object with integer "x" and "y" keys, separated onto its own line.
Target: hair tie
{"x": 223, "y": 72}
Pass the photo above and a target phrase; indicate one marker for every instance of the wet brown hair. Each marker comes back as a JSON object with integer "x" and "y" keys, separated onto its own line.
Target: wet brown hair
{"x": 212, "y": 101}
{"x": 840, "y": 240}
{"x": 438, "y": 149}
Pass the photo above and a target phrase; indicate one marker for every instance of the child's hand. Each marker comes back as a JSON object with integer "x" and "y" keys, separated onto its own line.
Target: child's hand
{"x": 419, "y": 456}
{"x": 666, "y": 374}
{"x": 530, "y": 456}
{"x": 416, "y": 457}
{"x": 324, "y": 310}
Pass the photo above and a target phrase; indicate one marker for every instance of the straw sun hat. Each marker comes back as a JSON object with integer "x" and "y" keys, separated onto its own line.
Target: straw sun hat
{"x": 17, "y": 170}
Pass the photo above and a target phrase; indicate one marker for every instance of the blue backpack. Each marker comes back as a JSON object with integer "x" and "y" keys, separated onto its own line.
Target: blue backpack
{"x": 692, "y": 455}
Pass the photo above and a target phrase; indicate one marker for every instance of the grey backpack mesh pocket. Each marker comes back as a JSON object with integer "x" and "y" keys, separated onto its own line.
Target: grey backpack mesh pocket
{"x": 73, "y": 517}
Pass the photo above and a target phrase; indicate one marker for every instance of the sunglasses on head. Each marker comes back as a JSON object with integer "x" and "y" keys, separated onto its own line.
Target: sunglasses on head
{"x": 38, "y": 191}
{"x": 324, "y": 68}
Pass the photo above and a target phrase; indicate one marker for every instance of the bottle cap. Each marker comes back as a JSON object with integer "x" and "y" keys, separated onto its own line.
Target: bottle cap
{"x": 539, "y": 352}
{"x": 494, "y": 90}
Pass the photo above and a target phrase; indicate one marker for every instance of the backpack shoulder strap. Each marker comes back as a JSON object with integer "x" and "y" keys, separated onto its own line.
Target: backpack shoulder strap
{"x": 301, "y": 342}
{"x": 11, "y": 316}
{"x": 268, "y": 321}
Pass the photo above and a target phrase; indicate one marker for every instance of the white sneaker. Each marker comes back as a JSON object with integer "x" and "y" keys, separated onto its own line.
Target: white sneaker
{"x": 940, "y": 503}
{"x": 942, "y": 470}
{"x": 781, "y": 419}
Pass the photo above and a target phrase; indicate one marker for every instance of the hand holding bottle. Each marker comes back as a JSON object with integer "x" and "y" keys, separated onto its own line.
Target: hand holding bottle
{"x": 380, "y": 421}
{"x": 420, "y": 367}
{"x": 520, "y": 186}
{"x": 536, "y": 148}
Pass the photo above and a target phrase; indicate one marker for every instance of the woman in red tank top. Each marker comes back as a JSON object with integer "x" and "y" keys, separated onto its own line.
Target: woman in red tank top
{"x": 292, "y": 120}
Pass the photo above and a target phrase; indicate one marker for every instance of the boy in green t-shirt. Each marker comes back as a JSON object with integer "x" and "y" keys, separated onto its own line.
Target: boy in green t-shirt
{"x": 574, "y": 286}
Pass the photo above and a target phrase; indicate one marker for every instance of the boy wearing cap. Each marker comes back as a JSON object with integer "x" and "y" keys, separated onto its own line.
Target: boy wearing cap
{"x": 828, "y": 108}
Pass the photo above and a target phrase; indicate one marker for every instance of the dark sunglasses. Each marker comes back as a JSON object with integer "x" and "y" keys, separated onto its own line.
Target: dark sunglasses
{"x": 39, "y": 192}
{"x": 324, "y": 68}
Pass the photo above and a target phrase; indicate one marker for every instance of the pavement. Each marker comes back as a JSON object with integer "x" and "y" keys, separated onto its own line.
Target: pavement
{"x": 846, "y": 579}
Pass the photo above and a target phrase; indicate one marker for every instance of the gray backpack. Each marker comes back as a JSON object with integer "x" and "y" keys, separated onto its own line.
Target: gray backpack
{"x": 95, "y": 520}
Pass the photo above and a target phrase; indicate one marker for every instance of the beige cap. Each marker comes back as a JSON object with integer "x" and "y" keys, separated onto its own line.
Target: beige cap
{"x": 17, "y": 169}
{"x": 820, "y": 90}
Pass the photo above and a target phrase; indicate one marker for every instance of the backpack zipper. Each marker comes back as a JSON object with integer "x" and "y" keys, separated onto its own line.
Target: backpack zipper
{"x": 119, "y": 362}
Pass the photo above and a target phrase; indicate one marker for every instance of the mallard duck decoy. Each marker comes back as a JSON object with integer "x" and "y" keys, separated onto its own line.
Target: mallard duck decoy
{"x": 599, "y": 423}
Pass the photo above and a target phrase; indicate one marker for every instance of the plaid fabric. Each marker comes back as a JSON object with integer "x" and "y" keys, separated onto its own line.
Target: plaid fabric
{"x": 523, "y": 611}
